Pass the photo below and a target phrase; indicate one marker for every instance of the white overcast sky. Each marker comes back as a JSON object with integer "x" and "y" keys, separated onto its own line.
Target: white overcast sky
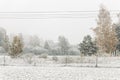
{"x": 73, "y": 29}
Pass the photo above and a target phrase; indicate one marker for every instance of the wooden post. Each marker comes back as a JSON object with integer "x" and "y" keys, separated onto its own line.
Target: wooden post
{"x": 96, "y": 65}
{"x": 4, "y": 61}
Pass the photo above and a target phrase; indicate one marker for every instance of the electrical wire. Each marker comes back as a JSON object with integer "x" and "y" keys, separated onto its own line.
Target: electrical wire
{"x": 53, "y": 14}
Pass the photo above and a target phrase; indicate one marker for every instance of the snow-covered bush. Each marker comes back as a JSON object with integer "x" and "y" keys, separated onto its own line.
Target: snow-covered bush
{"x": 2, "y": 50}
{"x": 55, "y": 58}
{"x": 27, "y": 49}
{"x": 73, "y": 51}
{"x": 55, "y": 51}
{"x": 28, "y": 58}
{"x": 43, "y": 56}
{"x": 36, "y": 50}
{"x": 39, "y": 50}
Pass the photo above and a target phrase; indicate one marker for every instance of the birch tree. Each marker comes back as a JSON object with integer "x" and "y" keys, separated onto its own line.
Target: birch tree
{"x": 105, "y": 33}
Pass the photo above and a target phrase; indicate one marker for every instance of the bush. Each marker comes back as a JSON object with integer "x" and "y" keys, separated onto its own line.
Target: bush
{"x": 55, "y": 58}
{"x": 74, "y": 51}
{"x": 27, "y": 49}
{"x": 2, "y": 50}
{"x": 44, "y": 55}
{"x": 36, "y": 50}
{"x": 28, "y": 58}
{"x": 39, "y": 50}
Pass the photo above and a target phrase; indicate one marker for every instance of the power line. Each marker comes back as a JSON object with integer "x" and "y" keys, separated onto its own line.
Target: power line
{"x": 46, "y": 17}
{"x": 63, "y": 11}
{"x": 52, "y": 14}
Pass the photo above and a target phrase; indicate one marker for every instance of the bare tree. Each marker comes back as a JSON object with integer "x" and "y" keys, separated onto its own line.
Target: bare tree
{"x": 64, "y": 46}
{"x": 105, "y": 33}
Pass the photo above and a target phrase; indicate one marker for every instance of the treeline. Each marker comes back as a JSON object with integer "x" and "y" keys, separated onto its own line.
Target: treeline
{"x": 105, "y": 41}
{"x": 16, "y": 45}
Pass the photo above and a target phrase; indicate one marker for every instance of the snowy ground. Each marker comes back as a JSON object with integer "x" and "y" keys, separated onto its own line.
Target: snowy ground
{"x": 58, "y": 73}
{"x": 48, "y": 69}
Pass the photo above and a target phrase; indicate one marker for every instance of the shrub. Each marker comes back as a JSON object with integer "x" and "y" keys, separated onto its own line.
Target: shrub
{"x": 44, "y": 55}
{"x": 39, "y": 50}
{"x": 74, "y": 51}
{"x": 28, "y": 58}
{"x": 36, "y": 50}
{"x": 55, "y": 58}
{"x": 2, "y": 50}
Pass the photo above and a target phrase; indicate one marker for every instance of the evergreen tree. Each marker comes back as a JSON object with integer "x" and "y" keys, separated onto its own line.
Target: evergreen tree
{"x": 88, "y": 47}
{"x": 117, "y": 29}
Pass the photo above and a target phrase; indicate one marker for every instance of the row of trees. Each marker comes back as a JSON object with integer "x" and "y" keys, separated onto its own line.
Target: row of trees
{"x": 106, "y": 40}
{"x": 38, "y": 46}
{"x": 19, "y": 44}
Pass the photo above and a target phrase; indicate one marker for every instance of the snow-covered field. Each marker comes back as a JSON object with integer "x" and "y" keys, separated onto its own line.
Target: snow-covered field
{"x": 48, "y": 69}
{"x": 58, "y": 73}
